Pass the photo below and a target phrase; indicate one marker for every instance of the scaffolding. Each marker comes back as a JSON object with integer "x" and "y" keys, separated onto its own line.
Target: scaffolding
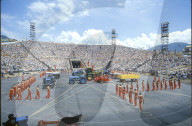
{"x": 113, "y": 37}
{"x": 32, "y": 31}
{"x": 164, "y": 37}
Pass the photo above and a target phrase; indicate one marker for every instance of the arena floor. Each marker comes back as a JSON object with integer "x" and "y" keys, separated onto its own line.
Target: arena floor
{"x": 99, "y": 105}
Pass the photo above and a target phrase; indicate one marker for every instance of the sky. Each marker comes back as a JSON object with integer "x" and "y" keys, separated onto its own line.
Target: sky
{"x": 136, "y": 22}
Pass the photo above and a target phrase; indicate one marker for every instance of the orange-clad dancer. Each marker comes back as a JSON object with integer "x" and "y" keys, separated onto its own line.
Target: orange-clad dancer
{"x": 148, "y": 87}
{"x": 175, "y": 85}
{"x": 130, "y": 96}
{"x": 29, "y": 93}
{"x": 143, "y": 86}
{"x": 121, "y": 91}
{"x": 132, "y": 86}
{"x": 161, "y": 86}
{"x": 157, "y": 85}
{"x": 127, "y": 86}
{"x": 165, "y": 84}
{"x": 48, "y": 93}
{"x": 135, "y": 98}
{"x": 18, "y": 86}
{"x": 25, "y": 85}
{"x": 19, "y": 94}
{"x": 117, "y": 89}
{"x": 171, "y": 85}
{"x": 124, "y": 92}
{"x": 37, "y": 93}
{"x": 15, "y": 90}
{"x": 137, "y": 86}
{"x": 179, "y": 84}
{"x": 11, "y": 93}
{"x": 153, "y": 85}
{"x": 140, "y": 101}
{"x": 22, "y": 86}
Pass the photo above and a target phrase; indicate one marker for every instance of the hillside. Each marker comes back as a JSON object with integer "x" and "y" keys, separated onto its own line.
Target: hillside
{"x": 6, "y": 39}
{"x": 179, "y": 46}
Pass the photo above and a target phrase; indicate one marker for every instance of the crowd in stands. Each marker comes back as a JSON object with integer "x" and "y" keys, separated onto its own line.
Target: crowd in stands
{"x": 30, "y": 55}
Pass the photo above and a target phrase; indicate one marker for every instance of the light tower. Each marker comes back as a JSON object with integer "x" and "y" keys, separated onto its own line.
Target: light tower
{"x": 164, "y": 37}
{"x": 32, "y": 31}
{"x": 113, "y": 37}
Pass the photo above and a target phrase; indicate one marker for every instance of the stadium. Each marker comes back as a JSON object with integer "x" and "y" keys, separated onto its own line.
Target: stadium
{"x": 92, "y": 82}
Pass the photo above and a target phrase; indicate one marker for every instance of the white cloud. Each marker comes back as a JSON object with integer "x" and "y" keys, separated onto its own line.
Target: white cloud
{"x": 47, "y": 37}
{"x": 181, "y": 36}
{"x": 83, "y": 13}
{"x": 91, "y": 35}
{"x": 149, "y": 40}
{"x": 8, "y": 33}
{"x": 46, "y": 14}
{"x": 6, "y": 17}
{"x": 69, "y": 36}
{"x": 94, "y": 36}
{"x": 38, "y": 7}
{"x": 85, "y": 2}
{"x": 25, "y": 24}
{"x": 144, "y": 41}
{"x": 90, "y": 32}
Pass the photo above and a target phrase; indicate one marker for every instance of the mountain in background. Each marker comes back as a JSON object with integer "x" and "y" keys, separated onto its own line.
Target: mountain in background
{"x": 6, "y": 39}
{"x": 179, "y": 46}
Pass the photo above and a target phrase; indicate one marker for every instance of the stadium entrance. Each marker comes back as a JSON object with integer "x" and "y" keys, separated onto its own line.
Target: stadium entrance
{"x": 76, "y": 63}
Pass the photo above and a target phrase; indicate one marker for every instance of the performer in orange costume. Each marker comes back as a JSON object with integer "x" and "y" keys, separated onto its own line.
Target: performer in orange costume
{"x": 116, "y": 89}
{"x": 153, "y": 85}
{"x": 22, "y": 86}
{"x": 171, "y": 85}
{"x": 132, "y": 86}
{"x": 127, "y": 86}
{"x": 157, "y": 85}
{"x": 48, "y": 92}
{"x": 143, "y": 86}
{"x": 161, "y": 86}
{"x": 148, "y": 87}
{"x": 11, "y": 93}
{"x": 140, "y": 101}
{"x": 137, "y": 87}
{"x": 15, "y": 90}
{"x": 29, "y": 93}
{"x": 175, "y": 85}
{"x": 135, "y": 98}
{"x": 37, "y": 93}
{"x": 119, "y": 90}
{"x": 19, "y": 94}
{"x": 179, "y": 84}
{"x": 165, "y": 84}
{"x": 163, "y": 80}
{"x": 124, "y": 92}
{"x": 130, "y": 96}
{"x": 18, "y": 86}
